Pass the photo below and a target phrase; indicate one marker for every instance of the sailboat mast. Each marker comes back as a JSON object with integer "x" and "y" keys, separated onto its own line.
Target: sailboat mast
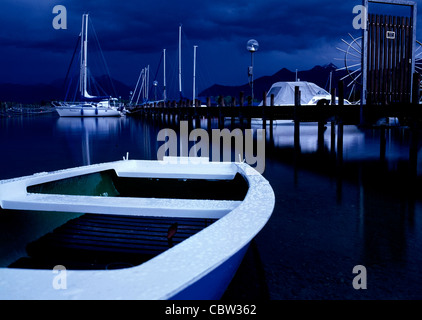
{"x": 164, "y": 89}
{"x": 81, "y": 64}
{"x": 194, "y": 73}
{"x": 136, "y": 87}
{"x": 84, "y": 55}
{"x": 180, "y": 61}
{"x": 147, "y": 85}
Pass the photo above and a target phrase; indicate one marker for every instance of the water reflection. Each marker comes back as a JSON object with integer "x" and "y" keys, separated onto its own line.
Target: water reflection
{"x": 94, "y": 140}
{"x": 310, "y": 136}
{"x": 345, "y": 195}
{"x": 87, "y": 131}
{"x": 357, "y": 196}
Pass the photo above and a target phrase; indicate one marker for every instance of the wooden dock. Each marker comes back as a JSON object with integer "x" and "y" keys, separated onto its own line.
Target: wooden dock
{"x": 323, "y": 112}
{"x": 95, "y": 241}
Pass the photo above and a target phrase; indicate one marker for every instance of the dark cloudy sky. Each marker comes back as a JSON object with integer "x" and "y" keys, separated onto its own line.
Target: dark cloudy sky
{"x": 296, "y": 34}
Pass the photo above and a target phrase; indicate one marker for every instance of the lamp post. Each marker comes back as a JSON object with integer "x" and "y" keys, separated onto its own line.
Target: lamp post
{"x": 194, "y": 75}
{"x": 252, "y": 46}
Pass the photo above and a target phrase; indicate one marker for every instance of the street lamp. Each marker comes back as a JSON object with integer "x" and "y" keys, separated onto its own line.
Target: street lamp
{"x": 252, "y": 46}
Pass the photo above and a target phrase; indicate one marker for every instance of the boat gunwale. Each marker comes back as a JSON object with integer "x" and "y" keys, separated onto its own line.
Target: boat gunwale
{"x": 165, "y": 275}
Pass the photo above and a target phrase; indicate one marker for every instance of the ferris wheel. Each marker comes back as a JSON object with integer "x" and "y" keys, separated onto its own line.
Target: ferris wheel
{"x": 418, "y": 63}
{"x": 353, "y": 61}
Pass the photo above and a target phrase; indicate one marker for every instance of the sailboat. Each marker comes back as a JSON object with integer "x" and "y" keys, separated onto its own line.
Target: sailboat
{"x": 194, "y": 70}
{"x": 89, "y": 106}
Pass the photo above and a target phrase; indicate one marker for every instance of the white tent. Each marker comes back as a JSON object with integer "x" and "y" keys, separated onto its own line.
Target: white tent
{"x": 284, "y": 93}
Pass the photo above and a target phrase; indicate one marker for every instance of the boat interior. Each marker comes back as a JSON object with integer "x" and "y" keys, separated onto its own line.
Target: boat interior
{"x": 95, "y": 241}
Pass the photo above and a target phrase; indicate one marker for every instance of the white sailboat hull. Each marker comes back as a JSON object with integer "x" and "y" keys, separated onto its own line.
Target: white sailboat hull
{"x": 87, "y": 111}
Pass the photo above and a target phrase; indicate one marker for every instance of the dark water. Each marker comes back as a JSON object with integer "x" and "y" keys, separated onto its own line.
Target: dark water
{"x": 338, "y": 205}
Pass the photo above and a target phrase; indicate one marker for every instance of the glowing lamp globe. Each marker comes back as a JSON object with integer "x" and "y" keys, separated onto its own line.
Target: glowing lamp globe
{"x": 252, "y": 45}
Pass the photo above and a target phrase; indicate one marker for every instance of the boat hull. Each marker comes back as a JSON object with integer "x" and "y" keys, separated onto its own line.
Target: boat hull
{"x": 200, "y": 267}
{"x": 87, "y": 112}
{"x": 214, "y": 284}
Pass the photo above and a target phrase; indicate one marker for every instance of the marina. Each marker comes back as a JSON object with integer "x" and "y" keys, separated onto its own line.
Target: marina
{"x": 278, "y": 189}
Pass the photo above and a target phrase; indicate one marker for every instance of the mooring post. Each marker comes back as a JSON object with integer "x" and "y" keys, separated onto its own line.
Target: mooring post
{"x": 339, "y": 143}
{"x": 271, "y": 115}
{"x": 249, "y": 111}
{"x": 341, "y": 93}
{"x": 209, "y": 113}
{"x": 232, "y": 110}
{"x": 333, "y": 139}
{"x": 297, "y": 96}
{"x": 297, "y": 122}
{"x": 220, "y": 102}
{"x": 240, "y": 111}
{"x": 264, "y": 109}
{"x": 171, "y": 112}
{"x": 320, "y": 139}
{"x": 197, "y": 115}
{"x": 179, "y": 111}
{"x": 167, "y": 111}
{"x": 333, "y": 96}
{"x": 297, "y": 103}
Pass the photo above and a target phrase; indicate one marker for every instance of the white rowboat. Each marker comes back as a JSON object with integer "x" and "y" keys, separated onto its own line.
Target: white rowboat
{"x": 200, "y": 267}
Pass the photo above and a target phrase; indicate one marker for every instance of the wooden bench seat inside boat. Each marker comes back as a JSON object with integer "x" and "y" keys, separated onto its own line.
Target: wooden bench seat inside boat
{"x": 95, "y": 241}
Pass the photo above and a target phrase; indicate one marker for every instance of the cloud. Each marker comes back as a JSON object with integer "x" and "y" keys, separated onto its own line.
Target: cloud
{"x": 133, "y": 34}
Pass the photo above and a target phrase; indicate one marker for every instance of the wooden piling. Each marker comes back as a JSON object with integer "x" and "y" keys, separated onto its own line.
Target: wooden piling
{"x": 220, "y": 113}
{"x": 297, "y": 96}
{"x": 333, "y": 96}
{"x": 232, "y": 115}
{"x": 271, "y": 115}
{"x": 297, "y": 122}
{"x": 320, "y": 139}
{"x": 264, "y": 109}
{"x": 209, "y": 114}
{"x": 333, "y": 139}
{"x": 341, "y": 93}
{"x": 340, "y": 143}
{"x": 297, "y": 135}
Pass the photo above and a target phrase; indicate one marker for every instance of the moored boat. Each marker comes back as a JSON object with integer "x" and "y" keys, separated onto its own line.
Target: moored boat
{"x": 88, "y": 106}
{"x": 88, "y": 109}
{"x": 199, "y": 267}
{"x": 310, "y": 94}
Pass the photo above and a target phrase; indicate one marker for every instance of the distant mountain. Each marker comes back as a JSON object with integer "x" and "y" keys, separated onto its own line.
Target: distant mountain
{"x": 319, "y": 75}
{"x": 44, "y": 93}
